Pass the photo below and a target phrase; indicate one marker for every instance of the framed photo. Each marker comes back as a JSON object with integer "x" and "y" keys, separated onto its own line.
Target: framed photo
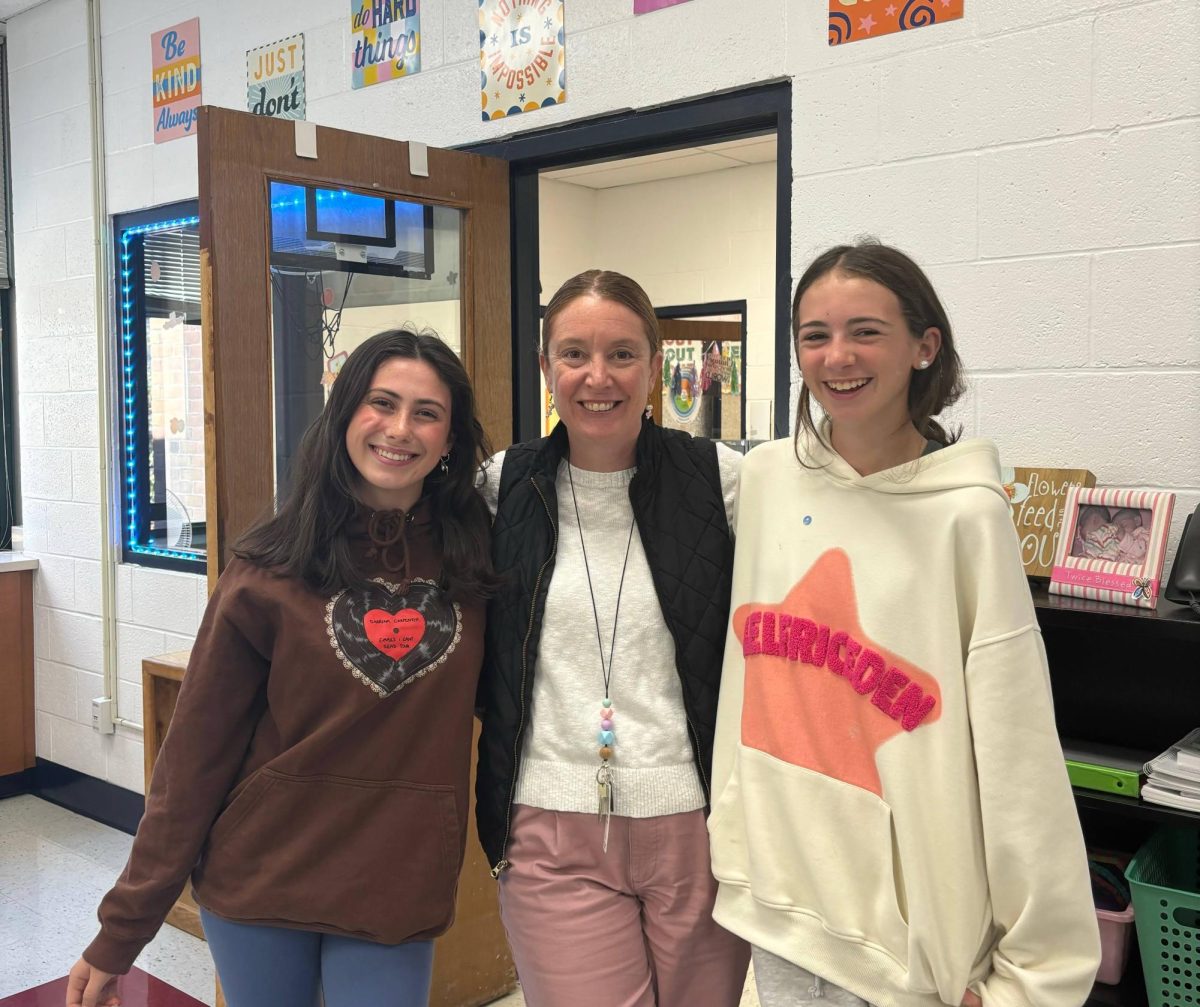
{"x": 1112, "y": 544}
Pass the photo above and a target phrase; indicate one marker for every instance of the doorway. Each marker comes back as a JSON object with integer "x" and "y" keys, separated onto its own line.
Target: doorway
{"x": 648, "y": 147}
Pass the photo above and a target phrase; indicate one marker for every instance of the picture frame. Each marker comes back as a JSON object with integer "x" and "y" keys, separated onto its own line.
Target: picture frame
{"x": 1112, "y": 545}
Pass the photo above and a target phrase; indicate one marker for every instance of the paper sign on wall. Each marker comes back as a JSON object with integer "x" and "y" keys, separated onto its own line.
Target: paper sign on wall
{"x": 646, "y": 6}
{"x": 522, "y": 56}
{"x": 855, "y": 20}
{"x": 175, "y": 75}
{"x": 387, "y": 40}
{"x": 275, "y": 79}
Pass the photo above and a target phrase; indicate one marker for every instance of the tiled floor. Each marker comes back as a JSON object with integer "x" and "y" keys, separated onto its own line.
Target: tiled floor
{"x": 54, "y": 868}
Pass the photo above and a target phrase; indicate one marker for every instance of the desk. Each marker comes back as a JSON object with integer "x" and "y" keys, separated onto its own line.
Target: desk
{"x": 17, "y": 750}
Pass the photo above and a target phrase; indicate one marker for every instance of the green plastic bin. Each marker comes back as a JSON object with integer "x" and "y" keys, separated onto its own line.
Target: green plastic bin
{"x": 1164, "y": 879}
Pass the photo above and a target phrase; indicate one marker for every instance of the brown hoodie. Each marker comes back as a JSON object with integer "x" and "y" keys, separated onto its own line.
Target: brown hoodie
{"x": 315, "y": 773}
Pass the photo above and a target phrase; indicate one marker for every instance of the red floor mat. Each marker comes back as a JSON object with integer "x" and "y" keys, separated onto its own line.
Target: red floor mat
{"x": 137, "y": 990}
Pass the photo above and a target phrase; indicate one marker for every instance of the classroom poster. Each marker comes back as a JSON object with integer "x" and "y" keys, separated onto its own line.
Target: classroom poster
{"x": 175, "y": 76}
{"x": 275, "y": 79}
{"x": 646, "y": 6}
{"x": 386, "y": 35}
{"x": 522, "y": 56}
{"x": 855, "y": 20}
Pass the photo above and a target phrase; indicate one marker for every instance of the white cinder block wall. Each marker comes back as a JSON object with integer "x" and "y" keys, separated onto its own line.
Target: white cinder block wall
{"x": 1040, "y": 159}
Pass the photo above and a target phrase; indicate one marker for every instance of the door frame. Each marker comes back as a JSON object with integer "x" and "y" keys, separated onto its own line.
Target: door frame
{"x": 730, "y": 115}
{"x": 239, "y": 155}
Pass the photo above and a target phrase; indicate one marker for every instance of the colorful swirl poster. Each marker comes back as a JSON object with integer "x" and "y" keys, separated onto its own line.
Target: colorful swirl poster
{"x": 387, "y": 40}
{"x": 522, "y": 56}
{"x": 855, "y": 20}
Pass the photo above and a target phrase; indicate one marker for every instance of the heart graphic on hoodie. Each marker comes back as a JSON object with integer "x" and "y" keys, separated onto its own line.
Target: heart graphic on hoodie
{"x": 387, "y": 637}
{"x": 394, "y": 633}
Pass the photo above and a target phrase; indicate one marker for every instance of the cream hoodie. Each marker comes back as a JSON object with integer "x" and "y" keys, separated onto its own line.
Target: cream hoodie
{"x": 890, "y": 804}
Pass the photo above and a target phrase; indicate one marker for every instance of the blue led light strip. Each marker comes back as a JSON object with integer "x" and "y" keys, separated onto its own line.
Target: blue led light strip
{"x": 129, "y": 386}
{"x": 127, "y": 353}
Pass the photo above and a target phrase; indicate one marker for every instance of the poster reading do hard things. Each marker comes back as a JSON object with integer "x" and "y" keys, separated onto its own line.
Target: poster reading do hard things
{"x": 522, "y": 56}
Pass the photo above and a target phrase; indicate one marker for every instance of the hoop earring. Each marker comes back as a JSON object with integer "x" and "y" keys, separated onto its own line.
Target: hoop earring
{"x": 444, "y": 464}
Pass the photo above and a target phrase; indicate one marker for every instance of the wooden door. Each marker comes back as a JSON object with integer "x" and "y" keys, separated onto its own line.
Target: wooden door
{"x": 243, "y": 160}
{"x": 240, "y": 155}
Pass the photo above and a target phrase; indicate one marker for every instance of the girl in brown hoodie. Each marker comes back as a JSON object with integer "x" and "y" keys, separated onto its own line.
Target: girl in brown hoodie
{"x": 313, "y": 782}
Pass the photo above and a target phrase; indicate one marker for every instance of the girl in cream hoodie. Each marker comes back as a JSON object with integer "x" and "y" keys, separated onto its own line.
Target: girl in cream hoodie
{"x": 892, "y": 823}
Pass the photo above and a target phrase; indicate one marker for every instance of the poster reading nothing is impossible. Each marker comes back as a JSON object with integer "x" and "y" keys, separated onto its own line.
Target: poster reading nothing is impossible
{"x": 522, "y": 56}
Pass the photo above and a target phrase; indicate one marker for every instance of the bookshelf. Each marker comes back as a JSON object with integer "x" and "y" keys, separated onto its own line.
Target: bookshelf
{"x": 1129, "y": 678}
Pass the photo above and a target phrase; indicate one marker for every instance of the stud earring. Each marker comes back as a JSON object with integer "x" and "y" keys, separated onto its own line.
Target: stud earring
{"x": 444, "y": 464}
{"x": 924, "y": 365}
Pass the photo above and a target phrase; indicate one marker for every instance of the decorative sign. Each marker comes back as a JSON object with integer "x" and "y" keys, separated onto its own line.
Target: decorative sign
{"x": 1037, "y": 497}
{"x": 855, "y": 20}
{"x": 646, "y": 6}
{"x": 522, "y": 56}
{"x": 175, "y": 70}
{"x": 275, "y": 79}
{"x": 388, "y": 42}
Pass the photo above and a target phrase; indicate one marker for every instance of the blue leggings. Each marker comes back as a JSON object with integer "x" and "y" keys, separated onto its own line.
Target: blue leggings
{"x": 264, "y": 966}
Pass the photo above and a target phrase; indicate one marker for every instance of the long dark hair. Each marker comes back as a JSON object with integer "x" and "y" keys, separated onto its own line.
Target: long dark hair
{"x": 307, "y": 535}
{"x": 929, "y": 391}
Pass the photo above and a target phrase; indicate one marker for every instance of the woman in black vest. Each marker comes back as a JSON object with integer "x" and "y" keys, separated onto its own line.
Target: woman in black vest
{"x": 601, "y": 676}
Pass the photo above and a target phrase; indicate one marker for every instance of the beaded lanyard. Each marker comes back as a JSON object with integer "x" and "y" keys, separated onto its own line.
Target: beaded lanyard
{"x": 605, "y": 791}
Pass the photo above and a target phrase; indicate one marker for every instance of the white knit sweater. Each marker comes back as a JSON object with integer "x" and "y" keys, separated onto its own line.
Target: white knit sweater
{"x": 653, "y": 769}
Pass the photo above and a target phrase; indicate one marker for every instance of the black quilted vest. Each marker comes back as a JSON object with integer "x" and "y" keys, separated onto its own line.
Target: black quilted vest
{"x": 677, "y": 500}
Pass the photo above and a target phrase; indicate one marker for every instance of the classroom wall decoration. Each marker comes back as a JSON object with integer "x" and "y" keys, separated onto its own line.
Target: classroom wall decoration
{"x": 1037, "y": 496}
{"x": 387, "y": 40}
{"x": 522, "y": 56}
{"x": 646, "y": 6}
{"x": 275, "y": 79}
{"x": 855, "y": 20}
{"x": 175, "y": 76}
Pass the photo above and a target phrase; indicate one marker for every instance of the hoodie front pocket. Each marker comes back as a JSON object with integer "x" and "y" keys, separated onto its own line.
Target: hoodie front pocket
{"x": 823, "y": 847}
{"x": 379, "y": 859}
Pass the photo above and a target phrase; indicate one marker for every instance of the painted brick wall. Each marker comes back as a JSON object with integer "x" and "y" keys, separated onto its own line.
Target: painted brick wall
{"x": 1040, "y": 159}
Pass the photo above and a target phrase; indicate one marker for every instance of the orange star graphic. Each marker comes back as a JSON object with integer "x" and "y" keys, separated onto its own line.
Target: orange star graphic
{"x": 818, "y": 691}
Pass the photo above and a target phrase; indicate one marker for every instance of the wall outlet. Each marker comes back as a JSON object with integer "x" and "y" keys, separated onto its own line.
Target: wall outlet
{"x": 102, "y": 715}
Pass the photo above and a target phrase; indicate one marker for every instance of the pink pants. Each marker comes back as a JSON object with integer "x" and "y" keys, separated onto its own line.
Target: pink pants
{"x": 632, "y": 927}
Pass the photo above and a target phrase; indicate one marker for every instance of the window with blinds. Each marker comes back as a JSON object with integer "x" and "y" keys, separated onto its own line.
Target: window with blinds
{"x": 162, "y": 399}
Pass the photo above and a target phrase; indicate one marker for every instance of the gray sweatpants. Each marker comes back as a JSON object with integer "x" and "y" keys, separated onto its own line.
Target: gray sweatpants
{"x": 782, "y": 984}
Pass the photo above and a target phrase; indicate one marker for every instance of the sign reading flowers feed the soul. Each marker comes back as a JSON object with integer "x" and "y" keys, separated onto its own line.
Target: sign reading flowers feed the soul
{"x": 387, "y": 40}
{"x": 522, "y": 56}
{"x": 855, "y": 20}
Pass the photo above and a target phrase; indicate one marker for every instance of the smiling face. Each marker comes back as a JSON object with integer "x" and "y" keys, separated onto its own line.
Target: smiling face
{"x": 399, "y": 432}
{"x": 857, "y": 354}
{"x": 600, "y": 369}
